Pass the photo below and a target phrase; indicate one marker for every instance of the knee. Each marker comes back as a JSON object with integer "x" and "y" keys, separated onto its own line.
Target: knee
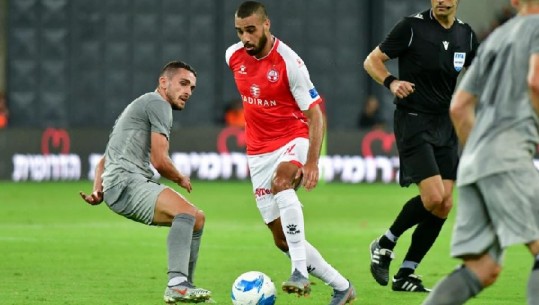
{"x": 534, "y": 247}
{"x": 442, "y": 211}
{"x": 486, "y": 269}
{"x": 438, "y": 204}
{"x": 432, "y": 201}
{"x": 491, "y": 275}
{"x": 200, "y": 220}
{"x": 279, "y": 184}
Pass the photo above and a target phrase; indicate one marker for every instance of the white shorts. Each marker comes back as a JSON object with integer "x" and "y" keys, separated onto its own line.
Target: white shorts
{"x": 262, "y": 168}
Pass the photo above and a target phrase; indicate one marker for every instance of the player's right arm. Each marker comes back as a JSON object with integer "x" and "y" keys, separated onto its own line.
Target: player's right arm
{"x": 160, "y": 159}
{"x": 533, "y": 81}
{"x": 462, "y": 112}
{"x": 396, "y": 42}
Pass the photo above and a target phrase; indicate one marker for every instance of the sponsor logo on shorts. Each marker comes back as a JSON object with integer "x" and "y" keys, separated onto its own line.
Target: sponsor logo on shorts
{"x": 259, "y": 192}
{"x": 290, "y": 150}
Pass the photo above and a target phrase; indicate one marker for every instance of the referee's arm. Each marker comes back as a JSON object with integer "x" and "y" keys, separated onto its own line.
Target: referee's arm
{"x": 375, "y": 66}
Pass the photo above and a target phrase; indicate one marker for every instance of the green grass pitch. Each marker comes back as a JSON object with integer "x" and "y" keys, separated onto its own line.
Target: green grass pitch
{"x": 55, "y": 249}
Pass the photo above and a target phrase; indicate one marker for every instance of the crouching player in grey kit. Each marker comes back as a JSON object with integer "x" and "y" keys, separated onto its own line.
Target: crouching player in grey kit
{"x": 495, "y": 113}
{"x": 139, "y": 137}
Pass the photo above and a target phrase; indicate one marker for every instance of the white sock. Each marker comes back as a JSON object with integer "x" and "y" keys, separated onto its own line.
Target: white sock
{"x": 175, "y": 281}
{"x": 293, "y": 228}
{"x": 318, "y": 267}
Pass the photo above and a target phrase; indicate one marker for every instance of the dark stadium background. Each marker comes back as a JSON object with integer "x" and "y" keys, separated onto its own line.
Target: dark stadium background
{"x": 68, "y": 67}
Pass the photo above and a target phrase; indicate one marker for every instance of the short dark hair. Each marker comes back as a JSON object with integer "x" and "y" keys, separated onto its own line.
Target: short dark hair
{"x": 249, "y": 8}
{"x": 172, "y": 66}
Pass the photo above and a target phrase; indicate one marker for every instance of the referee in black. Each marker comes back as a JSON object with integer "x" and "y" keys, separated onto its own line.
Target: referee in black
{"x": 432, "y": 48}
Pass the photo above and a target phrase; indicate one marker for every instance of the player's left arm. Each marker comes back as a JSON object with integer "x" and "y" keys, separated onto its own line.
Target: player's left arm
{"x": 311, "y": 174}
{"x": 96, "y": 197}
{"x": 308, "y": 101}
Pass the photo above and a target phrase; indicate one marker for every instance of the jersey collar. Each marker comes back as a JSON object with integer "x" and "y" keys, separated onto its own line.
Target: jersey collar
{"x": 431, "y": 15}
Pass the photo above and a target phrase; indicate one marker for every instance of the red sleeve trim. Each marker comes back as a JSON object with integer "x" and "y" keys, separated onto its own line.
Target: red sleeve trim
{"x": 317, "y": 102}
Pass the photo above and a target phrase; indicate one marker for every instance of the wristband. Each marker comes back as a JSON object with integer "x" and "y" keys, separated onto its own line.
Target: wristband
{"x": 389, "y": 80}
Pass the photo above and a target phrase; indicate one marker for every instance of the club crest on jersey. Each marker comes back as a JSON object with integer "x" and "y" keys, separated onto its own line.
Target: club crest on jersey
{"x": 255, "y": 90}
{"x": 459, "y": 58}
{"x": 273, "y": 75}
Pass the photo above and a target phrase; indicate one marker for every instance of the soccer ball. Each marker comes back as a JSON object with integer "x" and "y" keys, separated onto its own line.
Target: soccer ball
{"x": 253, "y": 288}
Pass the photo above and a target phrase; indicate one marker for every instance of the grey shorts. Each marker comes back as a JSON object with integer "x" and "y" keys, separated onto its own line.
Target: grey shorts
{"x": 496, "y": 212}
{"x": 134, "y": 198}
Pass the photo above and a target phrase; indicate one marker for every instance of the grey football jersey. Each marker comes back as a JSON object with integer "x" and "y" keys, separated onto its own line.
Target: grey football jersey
{"x": 505, "y": 134}
{"x": 128, "y": 149}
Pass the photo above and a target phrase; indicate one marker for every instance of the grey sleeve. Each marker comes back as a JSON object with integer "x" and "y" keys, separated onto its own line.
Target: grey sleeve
{"x": 470, "y": 81}
{"x": 534, "y": 40}
{"x": 159, "y": 114}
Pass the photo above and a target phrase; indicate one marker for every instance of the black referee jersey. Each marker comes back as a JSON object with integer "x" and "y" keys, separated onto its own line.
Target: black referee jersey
{"x": 431, "y": 57}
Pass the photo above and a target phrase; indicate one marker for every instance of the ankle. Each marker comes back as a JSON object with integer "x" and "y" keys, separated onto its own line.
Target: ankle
{"x": 404, "y": 272}
{"x": 386, "y": 243}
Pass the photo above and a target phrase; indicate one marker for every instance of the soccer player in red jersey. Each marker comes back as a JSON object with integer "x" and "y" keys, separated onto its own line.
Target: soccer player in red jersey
{"x": 284, "y": 133}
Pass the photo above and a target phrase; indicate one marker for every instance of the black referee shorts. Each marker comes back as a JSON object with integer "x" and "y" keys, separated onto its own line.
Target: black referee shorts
{"x": 427, "y": 144}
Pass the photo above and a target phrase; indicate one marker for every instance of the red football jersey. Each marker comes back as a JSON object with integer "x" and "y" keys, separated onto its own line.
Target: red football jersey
{"x": 275, "y": 90}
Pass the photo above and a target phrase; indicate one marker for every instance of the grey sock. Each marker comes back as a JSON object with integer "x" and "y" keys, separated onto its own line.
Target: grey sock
{"x": 179, "y": 245}
{"x": 195, "y": 245}
{"x": 455, "y": 289}
{"x": 533, "y": 284}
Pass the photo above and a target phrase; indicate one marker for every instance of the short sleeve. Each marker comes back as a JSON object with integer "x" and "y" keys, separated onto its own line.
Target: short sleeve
{"x": 301, "y": 87}
{"x": 534, "y": 40}
{"x": 398, "y": 40}
{"x": 470, "y": 81}
{"x": 474, "y": 45}
{"x": 160, "y": 117}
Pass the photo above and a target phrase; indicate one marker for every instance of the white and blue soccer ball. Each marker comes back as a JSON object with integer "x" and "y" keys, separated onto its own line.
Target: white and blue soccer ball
{"x": 253, "y": 288}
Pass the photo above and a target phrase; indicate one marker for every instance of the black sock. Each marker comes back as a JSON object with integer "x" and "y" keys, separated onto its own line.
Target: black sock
{"x": 423, "y": 238}
{"x": 404, "y": 272}
{"x": 412, "y": 213}
{"x": 386, "y": 243}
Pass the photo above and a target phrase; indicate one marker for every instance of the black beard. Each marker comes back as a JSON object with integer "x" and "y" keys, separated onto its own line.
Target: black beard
{"x": 174, "y": 107}
{"x": 256, "y": 51}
